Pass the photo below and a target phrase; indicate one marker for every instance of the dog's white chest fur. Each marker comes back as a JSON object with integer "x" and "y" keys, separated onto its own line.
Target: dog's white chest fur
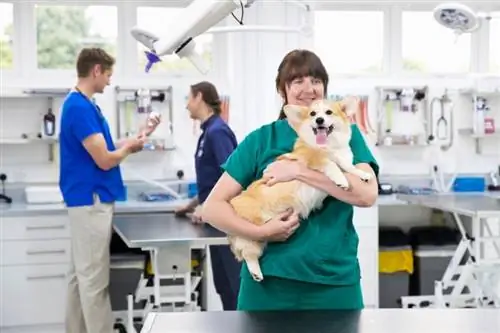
{"x": 309, "y": 199}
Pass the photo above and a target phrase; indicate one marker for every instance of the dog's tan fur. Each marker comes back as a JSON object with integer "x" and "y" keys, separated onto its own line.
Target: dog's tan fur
{"x": 260, "y": 202}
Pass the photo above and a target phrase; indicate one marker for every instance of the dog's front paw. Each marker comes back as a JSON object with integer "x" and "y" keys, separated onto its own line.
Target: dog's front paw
{"x": 365, "y": 176}
{"x": 288, "y": 157}
{"x": 344, "y": 184}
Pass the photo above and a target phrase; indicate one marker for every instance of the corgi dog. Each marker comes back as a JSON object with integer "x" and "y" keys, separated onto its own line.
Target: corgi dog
{"x": 324, "y": 133}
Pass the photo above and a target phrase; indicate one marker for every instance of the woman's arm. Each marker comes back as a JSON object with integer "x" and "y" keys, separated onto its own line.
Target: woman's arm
{"x": 218, "y": 212}
{"x": 359, "y": 194}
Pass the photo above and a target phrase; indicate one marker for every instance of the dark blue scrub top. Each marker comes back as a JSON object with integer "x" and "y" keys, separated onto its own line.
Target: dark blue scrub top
{"x": 215, "y": 144}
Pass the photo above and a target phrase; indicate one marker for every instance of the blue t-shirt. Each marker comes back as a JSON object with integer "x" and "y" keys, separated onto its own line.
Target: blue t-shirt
{"x": 215, "y": 145}
{"x": 79, "y": 176}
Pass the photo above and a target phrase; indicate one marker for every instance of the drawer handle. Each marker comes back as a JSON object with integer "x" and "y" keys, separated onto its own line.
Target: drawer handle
{"x": 46, "y": 277}
{"x": 46, "y": 227}
{"x": 40, "y": 252}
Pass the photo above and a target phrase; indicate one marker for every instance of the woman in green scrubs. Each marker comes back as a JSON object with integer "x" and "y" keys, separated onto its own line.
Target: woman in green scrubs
{"x": 310, "y": 264}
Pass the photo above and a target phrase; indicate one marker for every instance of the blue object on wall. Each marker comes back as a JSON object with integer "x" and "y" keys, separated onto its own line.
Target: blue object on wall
{"x": 469, "y": 184}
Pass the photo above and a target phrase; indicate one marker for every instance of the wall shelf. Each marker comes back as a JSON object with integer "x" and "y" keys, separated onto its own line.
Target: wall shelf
{"x": 477, "y": 137}
{"x": 21, "y": 141}
{"x": 470, "y": 132}
{"x": 48, "y": 94}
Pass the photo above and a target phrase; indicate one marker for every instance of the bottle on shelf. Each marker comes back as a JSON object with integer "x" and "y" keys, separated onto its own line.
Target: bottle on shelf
{"x": 49, "y": 124}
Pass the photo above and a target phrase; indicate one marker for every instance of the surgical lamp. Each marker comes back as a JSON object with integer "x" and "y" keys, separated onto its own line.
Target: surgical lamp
{"x": 460, "y": 18}
{"x": 197, "y": 18}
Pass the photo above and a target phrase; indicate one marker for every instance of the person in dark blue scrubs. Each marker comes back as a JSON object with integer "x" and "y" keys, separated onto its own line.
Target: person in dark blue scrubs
{"x": 215, "y": 144}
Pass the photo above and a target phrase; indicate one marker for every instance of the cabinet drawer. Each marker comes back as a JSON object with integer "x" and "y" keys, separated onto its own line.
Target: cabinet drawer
{"x": 34, "y": 227}
{"x": 35, "y": 252}
{"x": 32, "y": 295}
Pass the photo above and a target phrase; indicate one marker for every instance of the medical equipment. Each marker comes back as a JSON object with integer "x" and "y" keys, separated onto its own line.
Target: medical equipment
{"x": 197, "y": 18}
{"x": 135, "y": 107}
{"x": 402, "y": 117}
{"x": 442, "y": 132}
{"x": 460, "y": 18}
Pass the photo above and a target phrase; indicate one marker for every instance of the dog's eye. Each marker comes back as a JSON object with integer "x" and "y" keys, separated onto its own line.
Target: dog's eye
{"x": 329, "y": 112}
{"x": 313, "y": 113}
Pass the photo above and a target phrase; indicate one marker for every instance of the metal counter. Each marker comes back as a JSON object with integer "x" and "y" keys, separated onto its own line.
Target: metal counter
{"x": 472, "y": 205}
{"x": 366, "y": 321}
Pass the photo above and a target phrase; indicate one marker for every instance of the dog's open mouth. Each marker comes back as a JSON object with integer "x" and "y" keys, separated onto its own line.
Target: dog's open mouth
{"x": 322, "y": 133}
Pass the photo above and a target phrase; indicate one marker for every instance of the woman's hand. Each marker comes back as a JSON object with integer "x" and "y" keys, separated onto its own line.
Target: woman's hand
{"x": 281, "y": 227}
{"x": 282, "y": 171}
{"x": 196, "y": 216}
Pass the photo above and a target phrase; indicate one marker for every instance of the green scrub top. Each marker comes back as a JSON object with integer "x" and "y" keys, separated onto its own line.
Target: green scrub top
{"x": 323, "y": 250}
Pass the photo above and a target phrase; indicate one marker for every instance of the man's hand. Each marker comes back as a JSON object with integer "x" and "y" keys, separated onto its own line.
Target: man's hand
{"x": 134, "y": 144}
{"x": 152, "y": 123}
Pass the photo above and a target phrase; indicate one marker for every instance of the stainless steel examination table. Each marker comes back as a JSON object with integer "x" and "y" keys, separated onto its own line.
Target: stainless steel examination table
{"x": 169, "y": 240}
{"x": 366, "y": 321}
{"x": 479, "y": 249}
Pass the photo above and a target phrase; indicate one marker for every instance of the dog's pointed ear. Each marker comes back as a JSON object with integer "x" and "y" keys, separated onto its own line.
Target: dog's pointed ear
{"x": 350, "y": 105}
{"x": 295, "y": 113}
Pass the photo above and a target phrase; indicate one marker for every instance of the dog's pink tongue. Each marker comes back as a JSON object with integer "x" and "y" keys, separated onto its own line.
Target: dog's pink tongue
{"x": 321, "y": 137}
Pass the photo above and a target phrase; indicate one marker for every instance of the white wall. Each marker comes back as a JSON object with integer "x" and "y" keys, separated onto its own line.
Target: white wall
{"x": 245, "y": 67}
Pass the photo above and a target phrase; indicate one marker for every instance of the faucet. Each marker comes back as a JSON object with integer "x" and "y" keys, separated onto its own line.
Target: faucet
{"x": 3, "y": 196}
{"x": 495, "y": 183}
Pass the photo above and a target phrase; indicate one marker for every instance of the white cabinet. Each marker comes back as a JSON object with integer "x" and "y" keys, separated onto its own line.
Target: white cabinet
{"x": 366, "y": 224}
{"x": 34, "y": 261}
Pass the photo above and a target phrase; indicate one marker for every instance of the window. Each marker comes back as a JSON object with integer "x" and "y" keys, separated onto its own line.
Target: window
{"x": 350, "y": 41}
{"x": 495, "y": 44}
{"x": 155, "y": 19}
{"x": 429, "y": 47}
{"x": 6, "y": 29}
{"x": 62, "y": 31}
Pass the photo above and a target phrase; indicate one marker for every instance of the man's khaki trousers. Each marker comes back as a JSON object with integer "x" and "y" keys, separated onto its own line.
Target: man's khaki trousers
{"x": 88, "y": 308}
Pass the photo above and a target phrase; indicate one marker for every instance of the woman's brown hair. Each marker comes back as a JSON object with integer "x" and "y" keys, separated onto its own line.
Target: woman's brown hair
{"x": 297, "y": 64}
{"x": 209, "y": 95}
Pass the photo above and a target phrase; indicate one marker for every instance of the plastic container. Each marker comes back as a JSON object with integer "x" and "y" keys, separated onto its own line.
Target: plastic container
{"x": 469, "y": 184}
{"x": 433, "y": 248}
{"x": 192, "y": 190}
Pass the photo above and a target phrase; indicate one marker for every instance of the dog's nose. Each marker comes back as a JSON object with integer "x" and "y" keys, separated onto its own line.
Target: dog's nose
{"x": 320, "y": 121}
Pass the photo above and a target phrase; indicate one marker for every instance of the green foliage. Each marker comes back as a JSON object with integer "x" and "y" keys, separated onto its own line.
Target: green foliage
{"x": 413, "y": 65}
{"x": 5, "y": 55}
{"x": 62, "y": 31}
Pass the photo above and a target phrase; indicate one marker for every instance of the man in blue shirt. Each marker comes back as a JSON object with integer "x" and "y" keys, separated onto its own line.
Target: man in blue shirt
{"x": 215, "y": 145}
{"x": 90, "y": 181}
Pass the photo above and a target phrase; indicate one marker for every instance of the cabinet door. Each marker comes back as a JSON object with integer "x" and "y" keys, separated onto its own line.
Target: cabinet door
{"x": 366, "y": 224}
{"x": 32, "y": 295}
